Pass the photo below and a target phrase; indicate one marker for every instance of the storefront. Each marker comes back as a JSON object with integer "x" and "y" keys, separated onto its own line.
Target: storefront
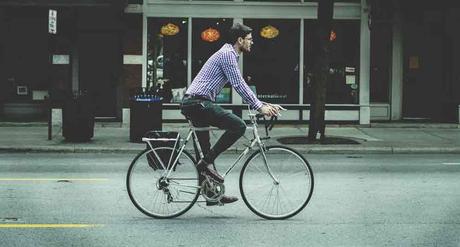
{"x": 399, "y": 65}
{"x": 179, "y": 36}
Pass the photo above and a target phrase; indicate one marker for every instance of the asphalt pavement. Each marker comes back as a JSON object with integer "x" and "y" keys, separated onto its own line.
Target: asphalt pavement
{"x": 384, "y": 138}
{"x": 80, "y": 199}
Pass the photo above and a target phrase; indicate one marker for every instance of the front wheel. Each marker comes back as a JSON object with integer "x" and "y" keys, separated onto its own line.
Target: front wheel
{"x": 281, "y": 198}
{"x": 159, "y": 192}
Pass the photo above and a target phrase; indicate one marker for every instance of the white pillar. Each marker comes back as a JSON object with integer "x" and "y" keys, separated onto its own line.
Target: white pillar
{"x": 397, "y": 71}
{"x": 189, "y": 52}
{"x": 126, "y": 114}
{"x": 144, "y": 49}
{"x": 56, "y": 117}
{"x": 365, "y": 66}
{"x": 459, "y": 114}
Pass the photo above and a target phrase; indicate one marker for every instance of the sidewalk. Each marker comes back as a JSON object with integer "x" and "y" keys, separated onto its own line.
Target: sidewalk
{"x": 379, "y": 138}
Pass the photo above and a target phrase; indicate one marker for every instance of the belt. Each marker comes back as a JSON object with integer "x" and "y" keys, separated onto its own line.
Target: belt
{"x": 194, "y": 96}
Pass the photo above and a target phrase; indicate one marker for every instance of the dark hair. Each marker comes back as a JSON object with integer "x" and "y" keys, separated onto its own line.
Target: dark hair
{"x": 238, "y": 30}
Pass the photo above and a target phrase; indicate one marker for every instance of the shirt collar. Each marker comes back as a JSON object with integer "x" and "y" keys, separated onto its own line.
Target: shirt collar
{"x": 230, "y": 47}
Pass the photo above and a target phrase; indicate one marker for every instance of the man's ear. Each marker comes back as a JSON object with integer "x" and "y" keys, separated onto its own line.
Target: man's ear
{"x": 240, "y": 40}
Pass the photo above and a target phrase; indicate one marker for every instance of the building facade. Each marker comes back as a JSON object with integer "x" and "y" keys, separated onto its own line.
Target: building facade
{"x": 389, "y": 62}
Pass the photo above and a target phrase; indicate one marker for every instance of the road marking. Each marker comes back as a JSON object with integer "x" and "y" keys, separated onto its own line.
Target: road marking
{"x": 49, "y": 225}
{"x": 57, "y": 179}
{"x": 451, "y": 164}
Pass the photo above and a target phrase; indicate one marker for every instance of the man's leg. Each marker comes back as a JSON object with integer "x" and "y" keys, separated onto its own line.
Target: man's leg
{"x": 203, "y": 139}
{"x": 234, "y": 126}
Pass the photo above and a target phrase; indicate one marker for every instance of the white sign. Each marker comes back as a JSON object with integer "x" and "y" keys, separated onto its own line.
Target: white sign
{"x": 61, "y": 59}
{"x": 52, "y": 21}
{"x": 350, "y": 69}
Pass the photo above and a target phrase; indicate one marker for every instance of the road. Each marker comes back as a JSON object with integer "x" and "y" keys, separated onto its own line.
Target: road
{"x": 51, "y": 199}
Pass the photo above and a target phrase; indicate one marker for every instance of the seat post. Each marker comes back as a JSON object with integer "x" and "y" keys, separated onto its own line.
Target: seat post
{"x": 196, "y": 143}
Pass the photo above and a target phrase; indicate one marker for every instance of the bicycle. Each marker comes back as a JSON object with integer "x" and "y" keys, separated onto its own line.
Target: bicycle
{"x": 163, "y": 181}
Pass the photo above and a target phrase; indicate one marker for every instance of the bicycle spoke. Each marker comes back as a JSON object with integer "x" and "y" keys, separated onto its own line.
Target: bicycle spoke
{"x": 181, "y": 185}
{"x": 276, "y": 200}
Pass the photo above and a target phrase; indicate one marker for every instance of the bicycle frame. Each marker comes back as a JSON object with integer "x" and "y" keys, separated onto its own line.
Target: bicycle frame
{"x": 192, "y": 133}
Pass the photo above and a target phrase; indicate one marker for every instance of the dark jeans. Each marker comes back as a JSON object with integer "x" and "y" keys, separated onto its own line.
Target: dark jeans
{"x": 204, "y": 113}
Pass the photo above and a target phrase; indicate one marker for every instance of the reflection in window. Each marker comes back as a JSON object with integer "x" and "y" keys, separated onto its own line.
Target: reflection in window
{"x": 167, "y": 55}
{"x": 342, "y": 87}
{"x": 272, "y": 65}
{"x": 208, "y": 36}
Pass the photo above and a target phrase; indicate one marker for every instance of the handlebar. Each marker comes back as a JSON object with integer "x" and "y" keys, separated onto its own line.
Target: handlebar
{"x": 271, "y": 122}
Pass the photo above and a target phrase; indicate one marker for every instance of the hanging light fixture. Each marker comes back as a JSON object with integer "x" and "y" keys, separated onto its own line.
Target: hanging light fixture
{"x": 170, "y": 29}
{"x": 269, "y": 32}
{"x": 210, "y": 35}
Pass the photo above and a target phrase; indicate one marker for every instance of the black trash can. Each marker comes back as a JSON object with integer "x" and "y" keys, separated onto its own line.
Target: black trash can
{"x": 78, "y": 118}
{"x": 145, "y": 115}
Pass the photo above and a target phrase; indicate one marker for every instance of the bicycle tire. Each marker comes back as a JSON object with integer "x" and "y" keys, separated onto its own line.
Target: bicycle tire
{"x": 286, "y": 157}
{"x": 140, "y": 178}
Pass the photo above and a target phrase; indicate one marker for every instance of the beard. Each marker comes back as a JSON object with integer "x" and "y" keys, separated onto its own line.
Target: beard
{"x": 245, "y": 50}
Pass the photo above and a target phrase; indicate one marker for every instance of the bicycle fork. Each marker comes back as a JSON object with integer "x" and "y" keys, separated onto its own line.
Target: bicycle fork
{"x": 262, "y": 150}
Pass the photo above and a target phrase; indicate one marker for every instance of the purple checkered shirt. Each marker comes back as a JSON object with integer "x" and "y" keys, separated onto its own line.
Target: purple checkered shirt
{"x": 222, "y": 67}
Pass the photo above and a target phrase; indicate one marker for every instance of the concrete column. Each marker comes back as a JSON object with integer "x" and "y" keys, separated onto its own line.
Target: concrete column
{"x": 365, "y": 66}
{"x": 126, "y": 114}
{"x": 189, "y": 52}
{"x": 56, "y": 117}
{"x": 301, "y": 61}
{"x": 144, "y": 50}
{"x": 397, "y": 70}
{"x": 459, "y": 114}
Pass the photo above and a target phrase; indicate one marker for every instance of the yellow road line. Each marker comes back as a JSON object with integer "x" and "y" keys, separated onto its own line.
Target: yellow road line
{"x": 49, "y": 225}
{"x": 56, "y": 179}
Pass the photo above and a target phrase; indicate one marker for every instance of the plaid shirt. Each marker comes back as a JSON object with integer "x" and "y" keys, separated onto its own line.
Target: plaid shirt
{"x": 222, "y": 67}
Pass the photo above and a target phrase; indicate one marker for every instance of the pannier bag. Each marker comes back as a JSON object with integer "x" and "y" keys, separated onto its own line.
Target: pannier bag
{"x": 161, "y": 139}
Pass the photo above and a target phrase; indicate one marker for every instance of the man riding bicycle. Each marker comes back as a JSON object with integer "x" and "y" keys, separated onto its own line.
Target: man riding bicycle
{"x": 198, "y": 103}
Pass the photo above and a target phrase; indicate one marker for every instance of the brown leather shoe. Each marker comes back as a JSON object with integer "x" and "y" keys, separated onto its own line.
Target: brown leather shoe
{"x": 223, "y": 200}
{"x": 203, "y": 169}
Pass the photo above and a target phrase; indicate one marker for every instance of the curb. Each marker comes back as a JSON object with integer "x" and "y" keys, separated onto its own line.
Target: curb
{"x": 303, "y": 150}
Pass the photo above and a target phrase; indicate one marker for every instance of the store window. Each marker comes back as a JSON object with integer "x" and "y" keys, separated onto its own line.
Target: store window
{"x": 271, "y": 67}
{"x": 343, "y": 86}
{"x": 337, "y": 1}
{"x": 167, "y": 55}
{"x": 381, "y": 49}
{"x": 208, "y": 36}
{"x": 281, "y": 1}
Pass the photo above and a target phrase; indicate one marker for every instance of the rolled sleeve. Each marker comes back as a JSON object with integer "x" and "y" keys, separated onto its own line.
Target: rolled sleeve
{"x": 232, "y": 72}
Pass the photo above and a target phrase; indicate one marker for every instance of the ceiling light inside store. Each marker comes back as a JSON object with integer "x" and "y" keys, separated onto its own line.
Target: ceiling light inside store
{"x": 170, "y": 29}
{"x": 269, "y": 32}
{"x": 210, "y": 35}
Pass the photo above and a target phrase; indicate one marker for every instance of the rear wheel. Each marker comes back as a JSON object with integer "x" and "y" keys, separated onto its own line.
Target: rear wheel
{"x": 157, "y": 194}
{"x": 269, "y": 199}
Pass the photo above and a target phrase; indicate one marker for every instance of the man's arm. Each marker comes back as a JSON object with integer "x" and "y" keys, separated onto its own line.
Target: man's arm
{"x": 233, "y": 74}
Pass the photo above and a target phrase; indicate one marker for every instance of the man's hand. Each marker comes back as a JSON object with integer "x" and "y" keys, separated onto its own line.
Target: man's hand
{"x": 269, "y": 110}
{"x": 278, "y": 107}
